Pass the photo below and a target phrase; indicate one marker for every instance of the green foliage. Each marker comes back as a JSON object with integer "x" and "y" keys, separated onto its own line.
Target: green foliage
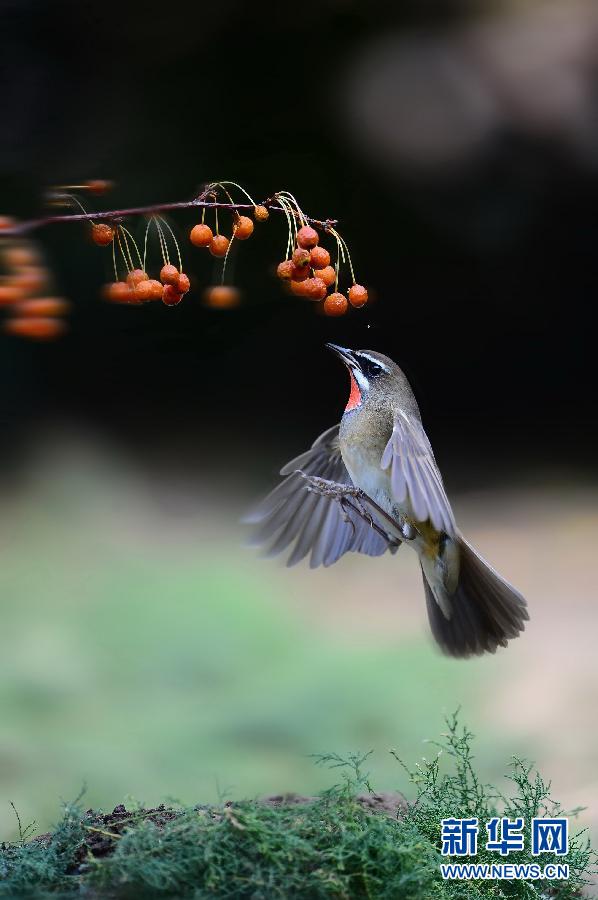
{"x": 333, "y": 847}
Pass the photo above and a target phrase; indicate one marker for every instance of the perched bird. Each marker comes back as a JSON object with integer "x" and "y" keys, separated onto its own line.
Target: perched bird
{"x": 371, "y": 483}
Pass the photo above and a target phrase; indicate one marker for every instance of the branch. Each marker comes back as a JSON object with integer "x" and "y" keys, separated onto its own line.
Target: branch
{"x": 117, "y": 215}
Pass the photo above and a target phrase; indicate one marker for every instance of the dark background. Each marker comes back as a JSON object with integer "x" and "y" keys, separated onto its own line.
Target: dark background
{"x": 482, "y": 259}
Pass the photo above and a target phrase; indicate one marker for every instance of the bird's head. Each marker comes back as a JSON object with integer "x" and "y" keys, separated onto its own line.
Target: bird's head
{"x": 372, "y": 375}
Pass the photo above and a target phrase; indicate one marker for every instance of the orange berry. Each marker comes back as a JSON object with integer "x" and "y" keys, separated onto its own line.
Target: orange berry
{"x": 6, "y": 222}
{"x": 102, "y": 234}
{"x": 307, "y": 237}
{"x": 319, "y": 258}
{"x": 261, "y": 214}
{"x": 156, "y": 289}
{"x": 45, "y": 307}
{"x": 39, "y": 328}
{"x": 201, "y": 235}
{"x": 219, "y": 245}
{"x": 328, "y": 275}
{"x": 222, "y": 296}
{"x": 298, "y": 288}
{"x": 358, "y": 295}
{"x": 98, "y": 186}
{"x": 135, "y": 277}
{"x": 169, "y": 274}
{"x": 31, "y": 279}
{"x": 20, "y": 256}
{"x": 143, "y": 290}
{"x": 300, "y": 273}
{"x": 314, "y": 288}
{"x": 243, "y": 228}
{"x": 301, "y": 258}
{"x": 171, "y": 295}
{"x": 118, "y": 292}
{"x": 10, "y": 293}
{"x": 285, "y": 269}
{"x": 335, "y": 305}
{"x": 183, "y": 283}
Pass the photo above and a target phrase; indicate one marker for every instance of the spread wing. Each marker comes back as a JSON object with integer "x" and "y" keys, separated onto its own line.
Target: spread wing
{"x": 414, "y": 473}
{"x": 291, "y": 514}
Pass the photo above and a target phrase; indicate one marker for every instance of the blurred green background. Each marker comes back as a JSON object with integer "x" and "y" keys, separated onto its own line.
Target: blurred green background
{"x": 146, "y": 653}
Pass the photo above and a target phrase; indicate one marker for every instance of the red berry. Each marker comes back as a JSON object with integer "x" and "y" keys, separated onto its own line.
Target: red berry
{"x": 328, "y": 275}
{"x": 314, "y": 288}
{"x": 135, "y": 277}
{"x": 301, "y": 258}
{"x": 20, "y": 257}
{"x": 31, "y": 279}
{"x": 10, "y": 293}
{"x": 171, "y": 295}
{"x": 285, "y": 269}
{"x": 298, "y": 288}
{"x": 201, "y": 235}
{"x": 307, "y": 237}
{"x": 358, "y": 295}
{"x": 319, "y": 258}
{"x": 102, "y": 234}
{"x": 183, "y": 284}
{"x": 46, "y": 307}
{"x": 143, "y": 290}
{"x": 219, "y": 245}
{"x": 222, "y": 296}
{"x": 243, "y": 228}
{"x": 300, "y": 273}
{"x": 118, "y": 292}
{"x": 335, "y": 305}
{"x": 156, "y": 289}
{"x": 39, "y": 328}
{"x": 169, "y": 274}
{"x": 98, "y": 186}
{"x": 261, "y": 214}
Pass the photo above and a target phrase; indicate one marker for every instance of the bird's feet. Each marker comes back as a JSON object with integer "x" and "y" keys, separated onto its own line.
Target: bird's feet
{"x": 354, "y": 498}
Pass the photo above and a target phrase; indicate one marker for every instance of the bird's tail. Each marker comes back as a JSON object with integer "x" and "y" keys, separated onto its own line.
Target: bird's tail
{"x": 485, "y": 610}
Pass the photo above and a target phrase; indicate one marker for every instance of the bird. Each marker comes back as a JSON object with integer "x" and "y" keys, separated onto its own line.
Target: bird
{"x": 370, "y": 484}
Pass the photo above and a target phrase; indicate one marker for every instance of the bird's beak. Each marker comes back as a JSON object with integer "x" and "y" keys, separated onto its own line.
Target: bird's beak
{"x": 345, "y": 354}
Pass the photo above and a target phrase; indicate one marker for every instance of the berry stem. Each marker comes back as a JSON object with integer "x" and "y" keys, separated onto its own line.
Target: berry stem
{"x": 230, "y": 243}
{"x": 128, "y": 236}
{"x": 346, "y": 249}
{"x": 114, "y": 261}
{"x": 176, "y": 243}
{"x": 147, "y": 228}
{"x": 128, "y": 263}
{"x": 242, "y": 189}
{"x": 163, "y": 246}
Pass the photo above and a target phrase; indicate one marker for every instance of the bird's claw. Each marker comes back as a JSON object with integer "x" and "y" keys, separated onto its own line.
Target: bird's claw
{"x": 327, "y": 488}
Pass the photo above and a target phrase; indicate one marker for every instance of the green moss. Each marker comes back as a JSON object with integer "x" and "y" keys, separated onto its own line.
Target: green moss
{"x": 332, "y": 847}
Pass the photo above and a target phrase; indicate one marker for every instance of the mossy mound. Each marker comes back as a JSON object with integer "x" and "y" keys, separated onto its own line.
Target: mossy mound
{"x": 347, "y": 842}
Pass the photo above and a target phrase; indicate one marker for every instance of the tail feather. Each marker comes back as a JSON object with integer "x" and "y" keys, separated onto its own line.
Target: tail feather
{"x": 487, "y": 611}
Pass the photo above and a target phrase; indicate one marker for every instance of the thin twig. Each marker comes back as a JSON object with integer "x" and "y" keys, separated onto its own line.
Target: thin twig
{"x": 116, "y": 215}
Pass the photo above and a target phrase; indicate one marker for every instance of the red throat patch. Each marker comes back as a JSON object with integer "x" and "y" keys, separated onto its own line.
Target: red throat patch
{"x": 355, "y": 395}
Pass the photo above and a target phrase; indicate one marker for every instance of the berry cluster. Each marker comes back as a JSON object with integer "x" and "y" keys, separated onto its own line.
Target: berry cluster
{"x": 33, "y": 313}
{"x": 225, "y": 296}
{"x": 307, "y": 269}
{"x": 137, "y": 287}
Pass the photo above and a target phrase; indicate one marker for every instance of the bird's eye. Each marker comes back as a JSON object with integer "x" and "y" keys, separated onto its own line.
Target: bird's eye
{"x": 370, "y": 368}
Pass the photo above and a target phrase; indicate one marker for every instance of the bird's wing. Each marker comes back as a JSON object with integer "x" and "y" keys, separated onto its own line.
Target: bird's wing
{"x": 414, "y": 473}
{"x": 314, "y": 523}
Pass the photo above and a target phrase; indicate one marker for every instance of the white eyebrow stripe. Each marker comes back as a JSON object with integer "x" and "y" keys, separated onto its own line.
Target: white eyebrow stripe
{"x": 372, "y": 359}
